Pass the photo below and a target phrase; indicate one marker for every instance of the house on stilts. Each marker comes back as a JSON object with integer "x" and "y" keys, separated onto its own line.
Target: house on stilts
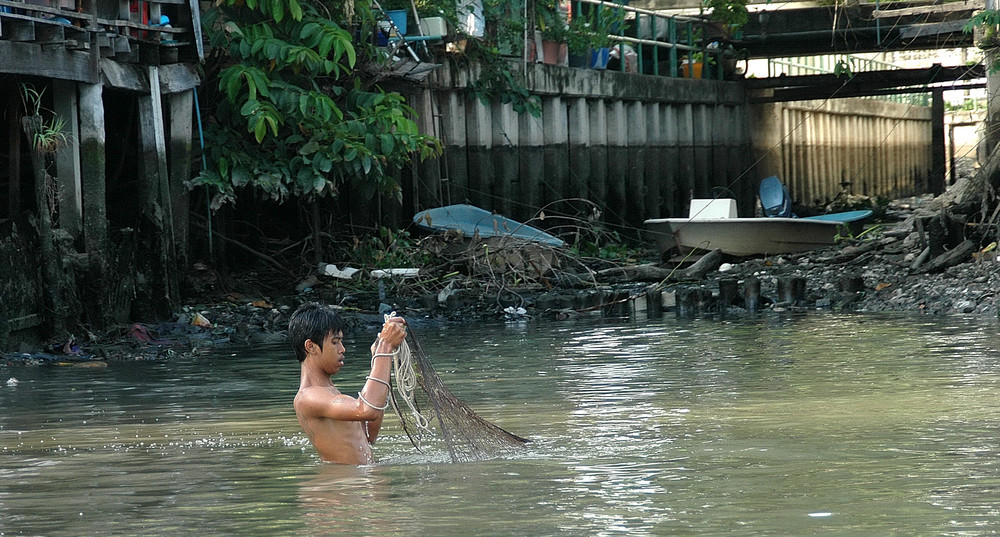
{"x": 98, "y": 116}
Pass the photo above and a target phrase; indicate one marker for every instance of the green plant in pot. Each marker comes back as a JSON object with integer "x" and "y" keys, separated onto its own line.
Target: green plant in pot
{"x": 590, "y": 31}
{"x": 730, "y": 15}
{"x": 550, "y": 22}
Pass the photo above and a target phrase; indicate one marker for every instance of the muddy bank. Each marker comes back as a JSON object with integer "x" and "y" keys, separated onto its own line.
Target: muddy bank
{"x": 922, "y": 258}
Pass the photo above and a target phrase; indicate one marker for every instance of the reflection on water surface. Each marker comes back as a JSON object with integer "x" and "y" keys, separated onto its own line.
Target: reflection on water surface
{"x": 823, "y": 424}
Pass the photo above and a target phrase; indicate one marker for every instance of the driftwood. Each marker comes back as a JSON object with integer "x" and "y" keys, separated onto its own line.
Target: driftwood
{"x": 653, "y": 273}
{"x": 955, "y": 256}
{"x": 703, "y": 266}
{"x": 850, "y": 253}
{"x": 635, "y": 273}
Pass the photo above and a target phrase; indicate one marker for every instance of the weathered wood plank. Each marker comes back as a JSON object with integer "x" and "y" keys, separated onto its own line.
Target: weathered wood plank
{"x": 31, "y": 59}
{"x": 968, "y": 5}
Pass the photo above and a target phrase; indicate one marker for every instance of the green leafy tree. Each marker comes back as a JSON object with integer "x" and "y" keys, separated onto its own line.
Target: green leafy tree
{"x": 297, "y": 114}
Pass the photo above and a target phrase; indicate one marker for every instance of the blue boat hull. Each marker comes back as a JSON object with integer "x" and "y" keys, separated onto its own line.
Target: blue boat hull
{"x": 472, "y": 221}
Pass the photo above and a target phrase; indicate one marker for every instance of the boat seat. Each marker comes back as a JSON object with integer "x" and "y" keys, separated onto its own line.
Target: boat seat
{"x": 712, "y": 209}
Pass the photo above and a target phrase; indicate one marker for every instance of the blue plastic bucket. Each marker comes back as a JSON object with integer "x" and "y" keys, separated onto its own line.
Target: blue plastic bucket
{"x": 398, "y": 18}
{"x": 599, "y": 58}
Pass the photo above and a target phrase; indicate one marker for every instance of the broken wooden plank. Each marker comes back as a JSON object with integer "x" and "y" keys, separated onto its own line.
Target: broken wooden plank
{"x": 950, "y": 7}
{"x": 957, "y": 255}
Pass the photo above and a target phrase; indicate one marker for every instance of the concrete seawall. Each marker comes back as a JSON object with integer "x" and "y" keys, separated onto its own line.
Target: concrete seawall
{"x": 864, "y": 146}
{"x": 637, "y": 146}
{"x": 641, "y": 146}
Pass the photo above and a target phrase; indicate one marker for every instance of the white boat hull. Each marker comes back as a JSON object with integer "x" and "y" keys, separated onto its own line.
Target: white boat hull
{"x": 744, "y": 236}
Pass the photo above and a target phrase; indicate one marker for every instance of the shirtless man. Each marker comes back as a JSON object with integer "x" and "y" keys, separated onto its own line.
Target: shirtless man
{"x": 341, "y": 428}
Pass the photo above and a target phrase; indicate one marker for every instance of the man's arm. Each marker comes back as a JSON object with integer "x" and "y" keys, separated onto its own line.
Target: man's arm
{"x": 375, "y": 392}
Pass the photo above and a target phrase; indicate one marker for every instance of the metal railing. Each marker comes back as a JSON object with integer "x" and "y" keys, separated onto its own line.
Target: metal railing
{"x": 676, "y": 37}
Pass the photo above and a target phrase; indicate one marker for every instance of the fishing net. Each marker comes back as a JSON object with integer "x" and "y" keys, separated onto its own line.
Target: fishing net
{"x": 467, "y": 436}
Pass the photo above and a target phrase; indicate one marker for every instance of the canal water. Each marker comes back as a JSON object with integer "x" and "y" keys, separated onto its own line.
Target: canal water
{"x": 823, "y": 424}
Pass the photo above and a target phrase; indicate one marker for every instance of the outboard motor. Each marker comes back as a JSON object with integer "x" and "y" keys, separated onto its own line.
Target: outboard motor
{"x": 774, "y": 198}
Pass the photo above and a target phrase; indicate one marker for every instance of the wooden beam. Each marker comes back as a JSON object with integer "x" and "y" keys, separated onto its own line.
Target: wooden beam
{"x": 950, "y": 7}
{"x": 842, "y": 92}
{"x": 31, "y": 59}
{"x": 935, "y": 28}
{"x": 874, "y": 79}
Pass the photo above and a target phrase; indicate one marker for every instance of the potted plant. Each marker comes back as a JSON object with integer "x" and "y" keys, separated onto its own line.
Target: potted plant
{"x": 693, "y": 65}
{"x": 550, "y": 22}
{"x": 590, "y": 34}
{"x": 729, "y": 15}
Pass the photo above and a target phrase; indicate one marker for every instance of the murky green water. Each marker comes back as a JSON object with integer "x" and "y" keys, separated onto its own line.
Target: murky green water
{"x": 816, "y": 425}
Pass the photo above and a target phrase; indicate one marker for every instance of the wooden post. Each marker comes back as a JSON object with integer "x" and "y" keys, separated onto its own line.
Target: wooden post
{"x": 155, "y": 193}
{"x": 51, "y": 267}
{"x": 686, "y": 305}
{"x": 727, "y": 293}
{"x": 426, "y": 180}
{"x": 991, "y": 132}
{"x": 14, "y": 162}
{"x": 579, "y": 146}
{"x": 937, "y": 178}
{"x": 181, "y": 155}
{"x": 751, "y": 293}
{"x": 792, "y": 290}
{"x": 68, "y": 159}
{"x": 95, "y": 223}
{"x": 654, "y": 303}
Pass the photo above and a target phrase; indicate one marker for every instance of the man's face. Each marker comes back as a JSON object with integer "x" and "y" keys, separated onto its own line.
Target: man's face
{"x": 332, "y": 355}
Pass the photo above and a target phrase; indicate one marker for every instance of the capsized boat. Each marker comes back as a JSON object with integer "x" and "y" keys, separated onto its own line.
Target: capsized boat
{"x": 472, "y": 221}
{"x": 713, "y": 224}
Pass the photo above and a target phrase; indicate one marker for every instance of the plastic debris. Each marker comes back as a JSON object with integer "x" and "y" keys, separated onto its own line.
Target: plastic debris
{"x": 511, "y": 311}
{"x": 398, "y": 272}
{"x": 200, "y": 320}
{"x": 12, "y": 382}
{"x": 346, "y": 273}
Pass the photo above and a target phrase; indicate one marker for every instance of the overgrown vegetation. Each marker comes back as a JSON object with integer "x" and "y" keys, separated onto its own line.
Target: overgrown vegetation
{"x": 300, "y": 111}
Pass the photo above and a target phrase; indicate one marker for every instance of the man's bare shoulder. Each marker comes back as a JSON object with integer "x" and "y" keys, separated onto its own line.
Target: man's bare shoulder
{"x": 311, "y": 396}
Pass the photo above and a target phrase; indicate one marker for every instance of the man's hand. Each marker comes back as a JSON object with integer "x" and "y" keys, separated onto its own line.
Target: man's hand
{"x": 393, "y": 333}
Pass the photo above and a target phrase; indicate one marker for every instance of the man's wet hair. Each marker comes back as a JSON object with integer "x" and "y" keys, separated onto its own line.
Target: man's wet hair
{"x": 312, "y": 321}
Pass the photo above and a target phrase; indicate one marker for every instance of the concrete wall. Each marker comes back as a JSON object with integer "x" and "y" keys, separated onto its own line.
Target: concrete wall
{"x": 637, "y": 146}
{"x": 869, "y": 147}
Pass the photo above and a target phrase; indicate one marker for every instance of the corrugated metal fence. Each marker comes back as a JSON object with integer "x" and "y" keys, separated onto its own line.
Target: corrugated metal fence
{"x": 861, "y": 146}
